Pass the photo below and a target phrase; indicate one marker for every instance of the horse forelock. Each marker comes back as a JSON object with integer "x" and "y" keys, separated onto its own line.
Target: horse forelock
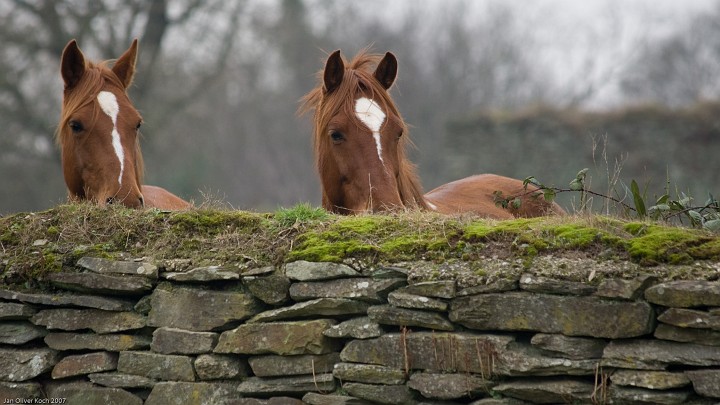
{"x": 359, "y": 78}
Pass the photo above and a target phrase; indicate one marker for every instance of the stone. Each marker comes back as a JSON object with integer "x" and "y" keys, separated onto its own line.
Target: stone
{"x": 273, "y": 289}
{"x": 356, "y": 328}
{"x": 25, "y": 364}
{"x": 369, "y": 374}
{"x": 690, "y": 318}
{"x": 569, "y": 315}
{"x": 276, "y": 366}
{"x": 373, "y": 291}
{"x": 543, "y": 391}
{"x": 320, "y": 307}
{"x": 533, "y": 283}
{"x": 259, "y": 271}
{"x": 55, "y": 300}
{"x": 10, "y": 311}
{"x": 197, "y": 309}
{"x": 313, "y": 398}
{"x": 499, "y": 401}
{"x": 627, "y": 395}
{"x": 432, "y": 351}
{"x": 497, "y": 286}
{"x": 411, "y": 301}
{"x": 158, "y": 366}
{"x": 625, "y": 289}
{"x": 657, "y": 354}
{"x": 520, "y": 359}
{"x": 699, "y": 336}
{"x": 389, "y": 315}
{"x": 220, "y": 367}
{"x": 685, "y": 294}
{"x": 381, "y": 394}
{"x": 384, "y": 272}
{"x": 190, "y": 393}
{"x": 12, "y": 390}
{"x": 571, "y": 347}
{"x": 101, "y": 283}
{"x": 297, "y": 385}
{"x": 705, "y": 382}
{"x": 89, "y": 395}
{"x": 283, "y": 338}
{"x": 178, "y": 341}
{"x": 18, "y": 333}
{"x": 144, "y": 305}
{"x": 104, "y": 266}
{"x": 654, "y": 380}
{"x": 82, "y": 364}
{"x": 271, "y": 401}
{"x": 435, "y": 289}
{"x": 449, "y": 386}
{"x": 204, "y": 274}
{"x": 120, "y": 380}
{"x": 310, "y": 271}
{"x": 91, "y": 341}
{"x": 98, "y": 320}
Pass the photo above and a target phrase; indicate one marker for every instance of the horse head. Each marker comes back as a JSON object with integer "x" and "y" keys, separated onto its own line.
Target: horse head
{"x": 99, "y": 129}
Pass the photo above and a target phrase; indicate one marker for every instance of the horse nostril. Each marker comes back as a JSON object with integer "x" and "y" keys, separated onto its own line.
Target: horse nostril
{"x": 110, "y": 200}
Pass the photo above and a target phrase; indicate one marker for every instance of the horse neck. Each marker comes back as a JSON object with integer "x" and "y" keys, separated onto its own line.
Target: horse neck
{"x": 409, "y": 186}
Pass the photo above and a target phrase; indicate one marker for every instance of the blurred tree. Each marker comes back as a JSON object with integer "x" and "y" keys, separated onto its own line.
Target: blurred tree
{"x": 680, "y": 69}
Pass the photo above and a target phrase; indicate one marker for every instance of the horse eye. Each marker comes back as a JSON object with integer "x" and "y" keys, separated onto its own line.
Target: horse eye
{"x": 337, "y": 137}
{"x": 76, "y": 126}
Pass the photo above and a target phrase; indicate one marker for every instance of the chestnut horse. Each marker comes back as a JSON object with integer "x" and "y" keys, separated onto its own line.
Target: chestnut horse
{"x": 360, "y": 139}
{"x": 98, "y": 134}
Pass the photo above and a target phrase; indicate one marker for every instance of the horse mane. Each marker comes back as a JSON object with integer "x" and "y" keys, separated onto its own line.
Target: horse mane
{"x": 84, "y": 93}
{"x": 359, "y": 77}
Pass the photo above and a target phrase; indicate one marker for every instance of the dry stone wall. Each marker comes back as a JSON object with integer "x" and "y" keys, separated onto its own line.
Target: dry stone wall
{"x": 326, "y": 334}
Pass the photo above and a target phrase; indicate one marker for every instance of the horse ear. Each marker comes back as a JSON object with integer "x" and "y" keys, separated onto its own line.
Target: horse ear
{"x": 386, "y": 71}
{"x": 334, "y": 71}
{"x": 72, "y": 64}
{"x": 124, "y": 67}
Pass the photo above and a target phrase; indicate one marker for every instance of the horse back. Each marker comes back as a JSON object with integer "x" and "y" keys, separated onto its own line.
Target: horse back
{"x": 157, "y": 197}
{"x": 477, "y": 194}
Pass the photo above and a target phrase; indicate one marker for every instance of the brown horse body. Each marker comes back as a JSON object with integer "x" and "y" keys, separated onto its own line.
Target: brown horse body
{"x": 98, "y": 134}
{"x": 360, "y": 140}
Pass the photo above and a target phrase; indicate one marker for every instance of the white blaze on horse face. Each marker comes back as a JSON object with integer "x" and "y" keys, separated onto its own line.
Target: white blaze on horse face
{"x": 370, "y": 113}
{"x": 108, "y": 103}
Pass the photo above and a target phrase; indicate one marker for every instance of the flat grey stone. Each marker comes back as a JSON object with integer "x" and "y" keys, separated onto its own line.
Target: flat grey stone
{"x": 570, "y": 347}
{"x": 95, "y": 319}
{"x": 705, "y": 382}
{"x": 381, "y": 394}
{"x": 178, "y": 341}
{"x": 310, "y": 271}
{"x": 81, "y": 364}
{"x": 91, "y": 341}
{"x": 221, "y": 367}
{"x": 369, "y": 374}
{"x": 625, "y": 289}
{"x": 20, "y": 332}
{"x": 321, "y": 307}
{"x": 89, "y": 395}
{"x": 654, "y": 380}
{"x": 449, "y": 386}
{"x": 273, "y": 289}
{"x": 120, "y": 380}
{"x": 658, "y": 354}
{"x": 313, "y": 398}
{"x": 677, "y": 334}
{"x": 100, "y": 283}
{"x": 304, "y": 364}
{"x": 357, "y": 328}
{"x": 627, "y": 395}
{"x": 203, "y": 274}
{"x": 25, "y": 364}
{"x": 13, "y": 311}
{"x": 685, "y": 294}
{"x": 298, "y": 385}
{"x": 191, "y": 393}
{"x": 401, "y": 299}
{"x": 158, "y": 366}
{"x": 533, "y": 283}
{"x": 434, "y": 289}
{"x": 569, "y": 315}
{"x": 690, "y": 318}
{"x": 104, "y": 266}
{"x": 12, "y": 390}
{"x": 197, "y": 309}
{"x": 61, "y": 300}
{"x": 389, "y": 315}
{"x": 283, "y": 338}
{"x": 364, "y": 289}
{"x": 543, "y": 391}
{"x": 497, "y": 286}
